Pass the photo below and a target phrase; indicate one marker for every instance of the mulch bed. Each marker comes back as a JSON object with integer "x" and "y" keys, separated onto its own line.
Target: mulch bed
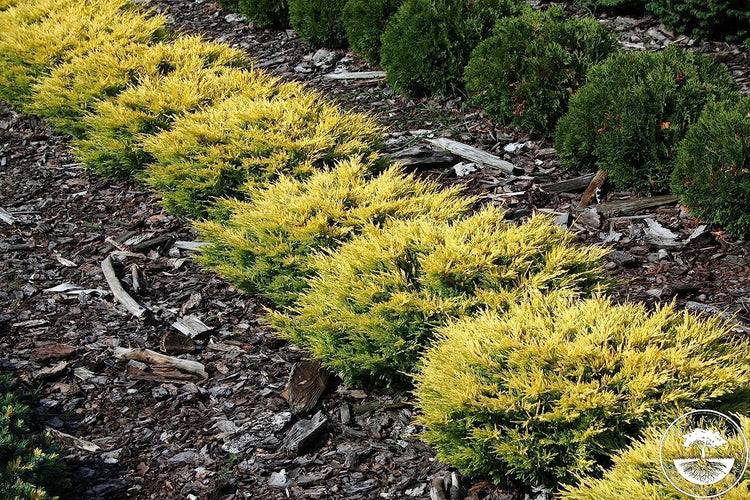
{"x": 227, "y": 436}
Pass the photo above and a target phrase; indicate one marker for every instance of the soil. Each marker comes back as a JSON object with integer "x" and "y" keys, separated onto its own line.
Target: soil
{"x": 224, "y": 437}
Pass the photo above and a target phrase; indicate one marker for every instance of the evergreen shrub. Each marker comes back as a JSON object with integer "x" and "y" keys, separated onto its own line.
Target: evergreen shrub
{"x": 625, "y": 6}
{"x": 319, "y": 22}
{"x": 30, "y": 465}
{"x": 712, "y": 171}
{"x": 526, "y": 73}
{"x": 252, "y": 139}
{"x": 267, "y": 244}
{"x": 263, "y": 13}
{"x": 427, "y": 43}
{"x": 637, "y": 471}
{"x": 36, "y": 39}
{"x": 374, "y": 305}
{"x": 365, "y": 22}
{"x": 71, "y": 89}
{"x": 630, "y": 116}
{"x": 117, "y": 128}
{"x": 549, "y": 390}
{"x": 715, "y": 19}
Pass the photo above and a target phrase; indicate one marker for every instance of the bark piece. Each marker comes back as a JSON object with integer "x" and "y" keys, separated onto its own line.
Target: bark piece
{"x": 303, "y": 435}
{"x": 119, "y": 292}
{"x": 176, "y": 342}
{"x": 422, "y": 156}
{"x": 569, "y": 186}
{"x": 307, "y": 382}
{"x": 7, "y": 217}
{"x": 474, "y": 155}
{"x": 73, "y": 441}
{"x": 627, "y": 206}
{"x": 192, "y": 326}
{"x": 596, "y": 183}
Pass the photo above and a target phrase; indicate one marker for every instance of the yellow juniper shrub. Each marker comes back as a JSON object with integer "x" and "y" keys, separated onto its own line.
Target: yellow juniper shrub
{"x": 252, "y": 139}
{"x": 73, "y": 88}
{"x": 548, "y": 390}
{"x": 374, "y": 304}
{"x": 637, "y": 472}
{"x": 117, "y": 128}
{"x": 29, "y": 49}
{"x": 266, "y": 244}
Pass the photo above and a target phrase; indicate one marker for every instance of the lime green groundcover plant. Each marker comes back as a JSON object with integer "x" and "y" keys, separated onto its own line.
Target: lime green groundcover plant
{"x": 45, "y": 33}
{"x": 376, "y": 302}
{"x": 637, "y": 471}
{"x": 251, "y": 140}
{"x": 549, "y": 390}
{"x": 267, "y": 244}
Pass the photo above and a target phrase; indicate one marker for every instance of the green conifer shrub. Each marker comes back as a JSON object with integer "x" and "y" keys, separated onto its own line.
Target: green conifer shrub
{"x": 266, "y": 244}
{"x": 549, "y": 390}
{"x": 252, "y": 140}
{"x": 526, "y": 73}
{"x": 118, "y": 127}
{"x": 319, "y": 22}
{"x": 625, "y": 6}
{"x": 365, "y": 22}
{"x": 71, "y": 89}
{"x": 30, "y": 465}
{"x": 637, "y": 471}
{"x": 262, "y": 13}
{"x": 427, "y": 43}
{"x": 712, "y": 171}
{"x": 714, "y": 19}
{"x": 376, "y": 302}
{"x": 630, "y": 116}
{"x": 36, "y": 39}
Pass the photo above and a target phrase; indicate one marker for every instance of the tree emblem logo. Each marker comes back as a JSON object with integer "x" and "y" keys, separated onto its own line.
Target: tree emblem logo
{"x": 704, "y": 454}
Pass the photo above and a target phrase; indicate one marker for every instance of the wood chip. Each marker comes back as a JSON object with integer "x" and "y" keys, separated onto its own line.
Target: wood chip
{"x": 7, "y": 217}
{"x": 307, "y": 382}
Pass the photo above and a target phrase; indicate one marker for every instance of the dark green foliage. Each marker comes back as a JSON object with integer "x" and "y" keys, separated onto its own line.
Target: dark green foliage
{"x": 265, "y": 13}
{"x": 526, "y": 73}
{"x": 427, "y": 43}
{"x": 729, "y": 19}
{"x": 319, "y": 22}
{"x": 365, "y": 22}
{"x": 634, "y": 110}
{"x": 712, "y": 172}
{"x": 629, "y": 6}
{"x": 30, "y": 466}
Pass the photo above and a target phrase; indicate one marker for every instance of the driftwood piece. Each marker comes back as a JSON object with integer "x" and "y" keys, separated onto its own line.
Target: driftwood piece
{"x": 596, "y": 183}
{"x": 424, "y": 157}
{"x": 7, "y": 217}
{"x": 627, "y": 206}
{"x": 569, "y": 186}
{"x": 474, "y": 155}
{"x": 158, "y": 359}
{"x": 191, "y": 326}
{"x": 307, "y": 382}
{"x": 304, "y": 434}
{"x": 190, "y": 246}
{"x": 162, "y": 240}
{"x": 73, "y": 441}
{"x": 119, "y": 292}
{"x": 356, "y": 75}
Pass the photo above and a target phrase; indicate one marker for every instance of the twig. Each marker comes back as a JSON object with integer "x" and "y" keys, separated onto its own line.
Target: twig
{"x": 119, "y": 292}
{"x": 155, "y": 358}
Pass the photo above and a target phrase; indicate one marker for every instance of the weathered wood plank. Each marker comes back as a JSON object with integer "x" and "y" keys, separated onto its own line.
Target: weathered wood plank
{"x": 475, "y": 155}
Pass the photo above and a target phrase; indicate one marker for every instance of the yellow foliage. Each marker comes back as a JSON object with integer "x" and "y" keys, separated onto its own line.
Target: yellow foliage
{"x": 546, "y": 391}
{"x": 637, "y": 472}
{"x": 251, "y": 139}
{"x": 44, "y": 33}
{"x": 376, "y": 302}
{"x": 72, "y": 88}
{"x": 117, "y": 128}
{"x": 266, "y": 244}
